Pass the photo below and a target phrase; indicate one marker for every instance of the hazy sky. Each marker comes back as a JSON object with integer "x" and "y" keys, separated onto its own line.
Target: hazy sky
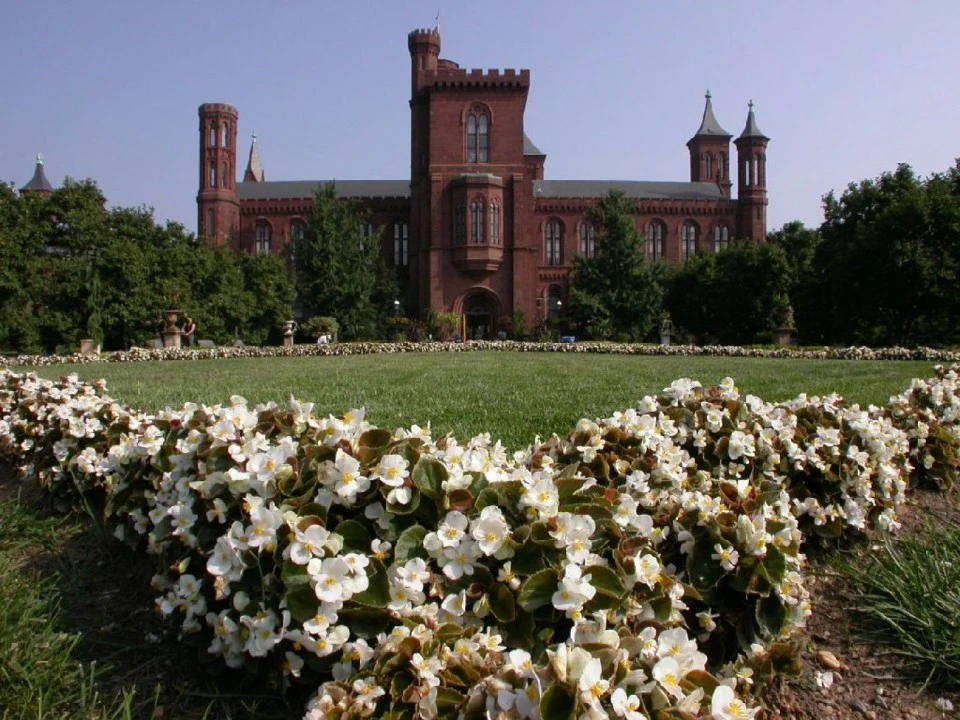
{"x": 109, "y": 89}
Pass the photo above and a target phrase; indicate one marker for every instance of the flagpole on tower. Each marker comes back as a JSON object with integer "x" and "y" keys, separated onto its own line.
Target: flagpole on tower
{"x": 436, "y": 27}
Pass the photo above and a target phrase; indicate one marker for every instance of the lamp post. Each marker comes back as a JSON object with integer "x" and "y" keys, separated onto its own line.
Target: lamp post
{"x": 396, "y": 308}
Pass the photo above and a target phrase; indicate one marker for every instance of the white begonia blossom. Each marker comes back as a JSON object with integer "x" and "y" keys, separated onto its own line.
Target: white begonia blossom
{"x": 667, "y": 673}
{"x": 348, "y": 481}
{"x": 647, "y": 569}
{"x": 725, "y": 705}
{"x": 592, "y": 685}
{"x": 392, "y": 470}
{"x": 307, "y": 544}
{"x": 490, "y": 530}
{"x": 728, "y": 556}
{"x": 629, "y": 707}
{"x": 449, "y": 534}
{"x": 574, "y": 591}
{"x": 328, "y": 577}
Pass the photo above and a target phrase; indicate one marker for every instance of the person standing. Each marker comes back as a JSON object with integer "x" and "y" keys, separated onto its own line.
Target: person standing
{"x": 189, "y": 331}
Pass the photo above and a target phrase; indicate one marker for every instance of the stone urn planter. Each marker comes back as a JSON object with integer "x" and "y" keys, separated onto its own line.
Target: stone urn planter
{"x": 170, "y": 333}
{"x": 289, "y": 328}
{"x": 666, "y": 331}
{"x": 89, "y": 346}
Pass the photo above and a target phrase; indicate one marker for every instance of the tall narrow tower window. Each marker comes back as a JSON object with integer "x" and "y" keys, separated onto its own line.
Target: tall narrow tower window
{"x": 212, "y": 142}
{"x": 721, "y": 238}
{"x": 708, "y": 165}
{"x": 478, "y": 137}
{"x": 476, "y": 222}
{"x": 212, "y": 180}
{"x": 553, "y": 245}
{"x": 722, "y": 166}
{"x": 655, "y": 235}
{"x": 297, "y": 230}
{"x": 588, "y": 239}
{"x": 211, "y": 229}
{"x": 401, "y": 243}
{"x": 688, "y": 240}
{"x": 224, "y": 175}
{"x": 262, "y": 236}
{"x": 225, "y": 137}
{"x": 495, "y": 223}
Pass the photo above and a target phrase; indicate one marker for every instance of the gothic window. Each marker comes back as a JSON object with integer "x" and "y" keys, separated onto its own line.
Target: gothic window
{"x": 588, "y": 239}
{"x": 553, "y": 236}
{"x": 212, "y": 180}
{"x": 722, "y": 166}
{"x": 478, "y": 137}
{"x": 297, "y": 230}
{"x": 656, "y": 232}
{"x": 708, "y": 164}
{"x": 476, "y": 222}
{"x": 755, "y": 172}
{"x": 212, "y": 142}
{"x": 495, "y": 222}
{"x": 370, "y": 233}
{"x": 262, "y": 235}
{"x": 746, "y": 171}
{"x": 688, "y": 240}
{"x": 211, "y": 229}
{"x": 224, "y": 137}
{"x": 721, "y": 238}
{"x": 401, "y": 244}
{"x": 460, "y": 224}
{"x": 223, "y": 175}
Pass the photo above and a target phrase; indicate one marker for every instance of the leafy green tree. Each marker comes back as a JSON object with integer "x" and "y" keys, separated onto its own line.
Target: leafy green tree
{"x": 616, "y": 293}
{"x": 335, "y": 270}
{"x": 800, "y": 245}
{"x": 890, "y": 259}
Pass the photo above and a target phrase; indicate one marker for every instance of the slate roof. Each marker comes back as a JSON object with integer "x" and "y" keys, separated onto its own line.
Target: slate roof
{"x": 39, "y": 180}
{"x": 640, "y": 189}
{"x": 529, "y": 148}
{"x": 709, "y": 125}
{"x": 306, "y": 189}
{"x": 751, "y": 130}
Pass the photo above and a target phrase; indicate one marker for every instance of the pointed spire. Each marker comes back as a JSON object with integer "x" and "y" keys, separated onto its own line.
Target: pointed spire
{"x": 254, "y": 171}
{"x": 751, "y": 130}
{"x": 436, "y": 27}
{"x": 39, "y": 182}
{"x": 709, "y": 125}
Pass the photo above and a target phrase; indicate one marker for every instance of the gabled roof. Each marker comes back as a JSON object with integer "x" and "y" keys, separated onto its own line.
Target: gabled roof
{"x": 751, "y": 130}
{"x": 639, "y": 189}
{"x": 39, "y": 180}
{"x": 306, "y": 189}
{"x": 529, "y": 148}
{"x": 709, "y": 126}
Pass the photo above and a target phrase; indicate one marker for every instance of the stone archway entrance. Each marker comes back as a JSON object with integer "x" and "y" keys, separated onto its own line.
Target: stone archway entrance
{"x": 480, "y": 313}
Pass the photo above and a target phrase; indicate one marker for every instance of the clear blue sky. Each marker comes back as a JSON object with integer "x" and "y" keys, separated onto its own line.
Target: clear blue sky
{"x": 109, "y": 89}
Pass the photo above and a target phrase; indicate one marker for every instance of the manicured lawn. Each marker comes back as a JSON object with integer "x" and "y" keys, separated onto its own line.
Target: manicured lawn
{"x": 514, "y": 396}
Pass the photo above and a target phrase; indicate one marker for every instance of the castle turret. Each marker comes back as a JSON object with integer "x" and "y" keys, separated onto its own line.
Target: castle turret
{"x": 710, "y": 151}
{"x": 424, "y": 48}
{"x": 218, "y": 209}
{"x": 38, "y": 183}
{"x": 752, "y": 180}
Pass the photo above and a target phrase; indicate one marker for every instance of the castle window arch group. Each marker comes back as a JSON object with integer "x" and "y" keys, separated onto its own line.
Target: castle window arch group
{"x": 262, "y": 237}
{"x": 478, "y": 135}
{"x": 656, "y": 240}
{"x": 553, "y": 242}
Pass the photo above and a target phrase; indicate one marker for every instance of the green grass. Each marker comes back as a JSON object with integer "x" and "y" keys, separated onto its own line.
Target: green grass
{"x": 908, "y": 596}
{"x": 514, "y": 396}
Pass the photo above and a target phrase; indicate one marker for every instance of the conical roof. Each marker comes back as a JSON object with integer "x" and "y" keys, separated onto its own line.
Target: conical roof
{"x": 709, "y": 127}
{"x": 751, "y": 130}
{"x": 39, "y": 182}
{"x": 254, "y": 172}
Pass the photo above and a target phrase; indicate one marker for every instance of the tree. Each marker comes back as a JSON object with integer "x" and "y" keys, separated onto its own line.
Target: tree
{"x": 890, "y": 258}
{"x": 335, "y": 270}
{"x": 617, "y": 292}
{"x": 800, "y": 245}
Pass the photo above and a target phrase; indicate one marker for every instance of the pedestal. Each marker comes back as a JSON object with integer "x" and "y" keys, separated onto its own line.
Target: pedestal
{"x": 170, "y": 333}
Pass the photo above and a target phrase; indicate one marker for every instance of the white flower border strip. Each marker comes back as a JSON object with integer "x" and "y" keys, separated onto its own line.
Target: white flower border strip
{"x": 648, "y": 562}
{"x": 367, "y": 348}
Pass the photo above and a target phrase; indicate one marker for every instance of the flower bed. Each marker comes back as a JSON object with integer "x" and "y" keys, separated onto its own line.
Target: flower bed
{"x": 648, "y": 562}
{"x": 370, "y": 348}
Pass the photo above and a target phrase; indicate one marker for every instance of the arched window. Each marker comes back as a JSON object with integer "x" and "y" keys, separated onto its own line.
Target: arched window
{"x": 212, "y": 141}
{"x": 745, "y": 162}
{"x": 401, "y": 243}
{"x": 478, "y": 137}
{"x": 212, "y": 180}
{"x": 298, "y": 229}
{"x": 476, "y": 222}
{"x": 211, "y": 229}
{"x": 495, "y": 222}
{"x": 262, "y": 236}
{"x": 553, "y": 245}
{"x": 721, "y": 238}
{"x": 223, "y": 175}
{"x": 756, "y": 170}
{"x": 588, "y": 239}
{"x": 225, "y": 136}
{"x": 656, "y": 232}
{"x": 554, "y": 303}
{"x": 722, "y": 166}
{"x": 688, "y": 240}
{"x": 460, "y": 224}
{"x": 708, "y": 166}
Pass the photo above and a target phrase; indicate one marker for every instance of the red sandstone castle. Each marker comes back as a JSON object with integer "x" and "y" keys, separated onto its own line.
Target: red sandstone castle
{"x": 477, "y": 229}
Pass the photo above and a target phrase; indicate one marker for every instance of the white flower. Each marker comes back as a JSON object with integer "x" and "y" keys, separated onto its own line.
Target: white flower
{"x": 667, "y": 673}
{"x": 592, "y": 685}
{"x": 574, "y": 591}
{"x": 724, "y": 705}
{"x": 626, "y": 706}
{"x": 308, "y": 544}
{"x": 727, "y": 556}
{"x": 490, "y": 530}
{"x": 328, "y": 576}
{"x": 393, "y": 470}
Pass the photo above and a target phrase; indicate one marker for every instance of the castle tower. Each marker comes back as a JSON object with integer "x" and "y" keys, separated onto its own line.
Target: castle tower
{"x": 38, "y": 183}
{"x": 752, "y": 181}
{"x": 218, "y": 209}
{"x": 254, "y": 171}
{"x": 710, "y": 151}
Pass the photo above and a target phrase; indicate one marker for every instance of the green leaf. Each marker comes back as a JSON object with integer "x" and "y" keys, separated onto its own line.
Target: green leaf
{"x": 771, "y": 615}
{"x": 558, "y": 703}
{"x": 519, "y": 632}
{"x": 294, "y": 575}
{"x": 774, "y": 565}
{"x": 503, "y": 605}
{"x": 538, "y": 590}
{"x": 407, "y": 508}
{"x": 302, "y": 603}
{"x": 606, "y": 581}
{"x": 366, "y": 622}
{"x": 356, "y": 537}
{"x": 429, "y": 475}
{"x": 528, "y": 559}
{"x": 377, "y": 593}
{"x": 410, "y": 545}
